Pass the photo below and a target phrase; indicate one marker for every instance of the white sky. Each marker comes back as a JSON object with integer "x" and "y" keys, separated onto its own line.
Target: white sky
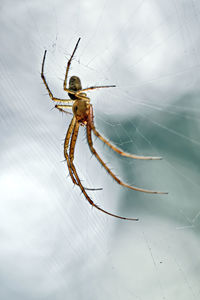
{"x": 53, "y": 245}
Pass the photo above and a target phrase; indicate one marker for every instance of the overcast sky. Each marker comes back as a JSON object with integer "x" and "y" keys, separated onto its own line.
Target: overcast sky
{"x": 53, "y": 245}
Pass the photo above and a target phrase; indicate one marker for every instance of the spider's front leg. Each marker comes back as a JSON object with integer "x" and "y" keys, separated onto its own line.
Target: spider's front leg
{"x": 47, "y": 86}
{"x": 67, "y": 69}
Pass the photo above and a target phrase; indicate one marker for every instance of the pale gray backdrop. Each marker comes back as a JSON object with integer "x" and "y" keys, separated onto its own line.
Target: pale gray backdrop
{"x": 53, "y": 245}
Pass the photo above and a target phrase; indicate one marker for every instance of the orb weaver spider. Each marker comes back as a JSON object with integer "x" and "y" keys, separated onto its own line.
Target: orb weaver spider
{"x": 83, "y": 115}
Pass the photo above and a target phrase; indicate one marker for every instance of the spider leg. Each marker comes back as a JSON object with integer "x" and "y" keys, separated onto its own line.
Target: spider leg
{"x": 47, "y": 87}
{"x": 118, "y": 150}
{"x": 90, "y": 143}
{"x": 95, "y": 87}
{"x": 71, "y": 152}
{"x": 70, "y": 132}
{"x": 67, "y": 69}
{"x": 114, "y": 148}
{"x": 66, "y": 143}
{"x": 73, "y": 141}
{"x": 72, "y": 145}
{"x": 60, "y": 108}
{"x": 78, "y": 95}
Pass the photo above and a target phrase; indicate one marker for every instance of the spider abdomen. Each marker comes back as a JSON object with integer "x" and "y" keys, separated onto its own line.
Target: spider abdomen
{"x": 81, "y": 109}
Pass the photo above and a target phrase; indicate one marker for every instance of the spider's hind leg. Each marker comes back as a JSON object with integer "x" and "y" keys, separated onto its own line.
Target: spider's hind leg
{"x": 70, "y": 134}
{"x": 119, "y": 151}
{"x": 71, "y": 157}
{"x": 72, "y": 167}
{"x": 90, "y": 143}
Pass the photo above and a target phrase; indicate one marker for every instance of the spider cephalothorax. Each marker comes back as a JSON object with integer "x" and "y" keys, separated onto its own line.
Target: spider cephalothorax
{"x": 74, "y": 85}
{"x": 83, "y": 115}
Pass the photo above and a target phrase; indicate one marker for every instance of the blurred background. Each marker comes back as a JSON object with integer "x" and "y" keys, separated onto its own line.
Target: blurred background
{"x": 53, "y": 245}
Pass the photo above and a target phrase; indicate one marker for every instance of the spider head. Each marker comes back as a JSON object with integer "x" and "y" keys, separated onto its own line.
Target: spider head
{"x": 74, "y": 85}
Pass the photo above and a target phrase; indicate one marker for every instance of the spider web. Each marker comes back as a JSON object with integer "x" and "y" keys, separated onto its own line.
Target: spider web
{"x": 51, "y": 239}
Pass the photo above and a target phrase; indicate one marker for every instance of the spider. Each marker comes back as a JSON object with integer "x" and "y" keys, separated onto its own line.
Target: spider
{"x": 83, "y": 115}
